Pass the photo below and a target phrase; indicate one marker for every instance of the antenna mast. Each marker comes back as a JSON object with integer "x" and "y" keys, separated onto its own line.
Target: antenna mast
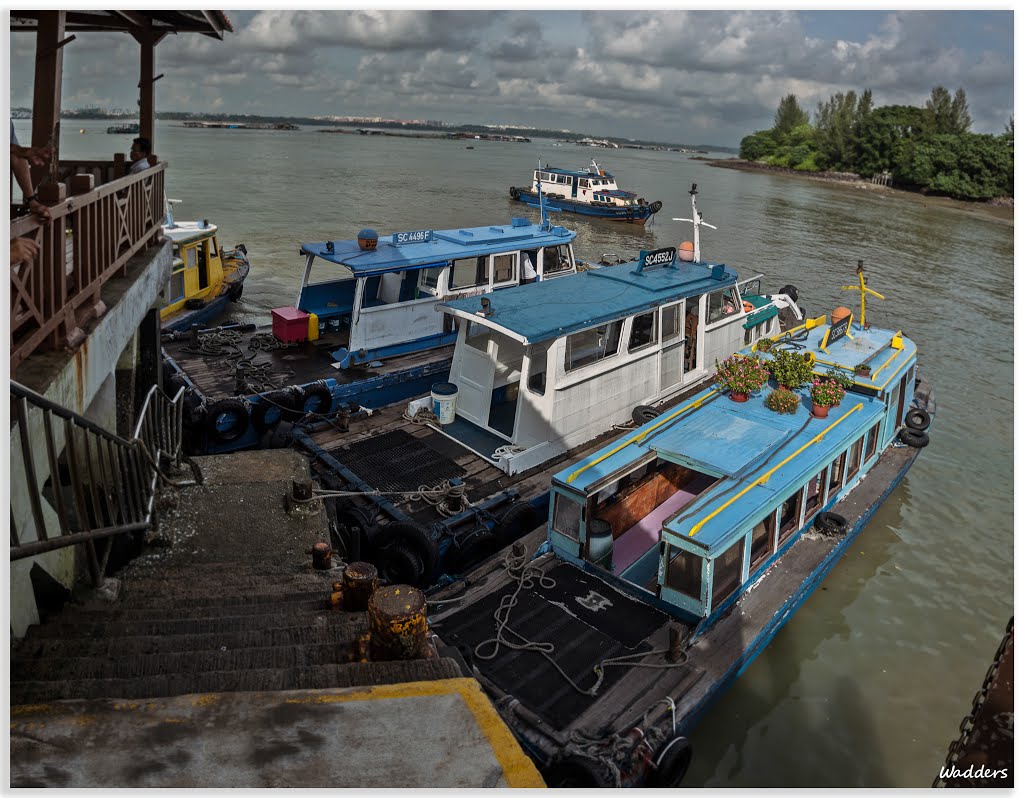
{"x": 698, "y": 222}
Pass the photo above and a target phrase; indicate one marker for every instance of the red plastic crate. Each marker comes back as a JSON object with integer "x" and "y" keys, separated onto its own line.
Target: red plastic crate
{"x": 289, "y": 324}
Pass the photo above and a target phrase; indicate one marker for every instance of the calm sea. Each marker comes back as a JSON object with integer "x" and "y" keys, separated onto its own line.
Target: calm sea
{"x": 868, "y": 682}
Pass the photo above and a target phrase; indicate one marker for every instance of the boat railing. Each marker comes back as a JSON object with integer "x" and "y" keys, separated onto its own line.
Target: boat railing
{"x": 107, "y": 218}
{"x": 82, "y": 483}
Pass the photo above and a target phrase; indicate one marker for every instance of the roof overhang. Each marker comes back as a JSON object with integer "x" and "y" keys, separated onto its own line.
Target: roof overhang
{"x": 207, "y": 23}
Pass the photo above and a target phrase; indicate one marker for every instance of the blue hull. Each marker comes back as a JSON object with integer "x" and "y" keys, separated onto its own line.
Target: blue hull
{"x": 560, "y": 205}
{"x": 184, "y": 321}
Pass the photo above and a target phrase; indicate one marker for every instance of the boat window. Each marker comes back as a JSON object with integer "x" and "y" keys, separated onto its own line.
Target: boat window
{"x": 557, "y": 260}
{"x": 761, "y": 540}
{"x": 537, "y": 382}
{"x": 478, "y": 336}
{"x": 566, "y": 516}
{"x": 429, "y": 278}
{"x": 504, "y": 268}
{"x": 855, "y": 451}
{"x": 391, "y": 289}
{"x": 727, "y": 573}
{"x": 536, "y": 175}
{"x": 584, "y": 183}
{"x": 644, "y": 330}
{"x": 589, "y": 346}
{"x": 670, "y": 323}
{"x": 872, "y": 440}
{"x": 685, "y": 572}
{"x": 835, "y": 474}
{"x": 815, "y": 497}
{"x": 790, "y": 516}
{"x": 468, "y": 273}
{"x": 176, "y": 287}
{"x": 214, "y": 249}
{"x": 722, "y": 303}
{"x": 190, "y": 257}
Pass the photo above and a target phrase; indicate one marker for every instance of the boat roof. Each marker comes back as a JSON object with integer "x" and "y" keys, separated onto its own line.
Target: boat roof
{"x": 552, "y": 308}
{"x": 186, "y": 232}
{"x": 584, "y": 172}
{"x": 742, "y": 443}
{"x": 435, "y": 247}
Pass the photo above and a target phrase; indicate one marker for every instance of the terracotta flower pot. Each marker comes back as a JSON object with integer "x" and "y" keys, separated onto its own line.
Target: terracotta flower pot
{"x": 736, "y": 396}
{"x": 819, "y": 411}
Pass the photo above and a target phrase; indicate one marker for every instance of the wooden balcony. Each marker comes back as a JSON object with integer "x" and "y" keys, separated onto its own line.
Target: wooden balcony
{"x": 107, "y": 220}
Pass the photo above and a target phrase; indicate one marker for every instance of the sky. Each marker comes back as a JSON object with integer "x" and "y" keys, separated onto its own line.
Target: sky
{"x": 697, "y": 77}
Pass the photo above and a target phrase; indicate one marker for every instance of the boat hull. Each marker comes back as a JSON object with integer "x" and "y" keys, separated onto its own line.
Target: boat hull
{"x": 638, "y": 215}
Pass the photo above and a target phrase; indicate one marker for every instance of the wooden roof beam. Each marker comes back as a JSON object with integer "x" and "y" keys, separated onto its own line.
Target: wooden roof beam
{"x": 133, "y": 17}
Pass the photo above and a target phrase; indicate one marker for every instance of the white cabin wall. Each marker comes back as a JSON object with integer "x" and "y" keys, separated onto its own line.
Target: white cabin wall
{"x": 722, "y": 341}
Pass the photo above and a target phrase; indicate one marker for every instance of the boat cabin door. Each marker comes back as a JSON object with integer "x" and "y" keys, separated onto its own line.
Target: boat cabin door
{"x": 693, "y": 332}
{"x": 475, "y": 373}
{"x": 671, "y": 368}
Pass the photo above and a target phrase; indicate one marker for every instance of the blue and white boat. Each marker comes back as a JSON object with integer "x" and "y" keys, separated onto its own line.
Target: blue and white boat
{"x": 675, "y": 554}
{"x": 587, "y": 192}
{"x": 365, "y": 332}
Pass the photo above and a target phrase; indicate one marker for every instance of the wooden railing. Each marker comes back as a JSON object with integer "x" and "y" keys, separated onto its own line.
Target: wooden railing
{"x": 90, "y": 239}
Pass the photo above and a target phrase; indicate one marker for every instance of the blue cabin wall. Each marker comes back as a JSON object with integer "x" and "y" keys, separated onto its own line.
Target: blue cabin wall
{"x": 328, "y": 300}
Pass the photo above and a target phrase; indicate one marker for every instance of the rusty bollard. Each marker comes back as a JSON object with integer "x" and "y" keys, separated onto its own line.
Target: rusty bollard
{"x": 337, "y": 597}
{"x": 321, "y": 556}
{"x": 302, "y": 491}
{"x": 398, "y": 624}
{"x": 359, "y": 583}
{"x": 675, "y": 643}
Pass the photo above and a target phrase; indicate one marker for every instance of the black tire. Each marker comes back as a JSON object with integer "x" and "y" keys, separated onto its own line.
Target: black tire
{"x": 917, "y": 419}
{"x": 194, "y": 304}
{"x": 227, "y": 420}
{"x": 643, "y": 413}
{"x": 831, "y": 524}
{"x": 520, "y": 518}
{"x": 673, "y": 762}
{"x": 315, "y": 398}
{"x": 575, "y": 771}
{"x": 514, "y": 193}
{"x": 399, "y": 565}
{"x": 410, "y": 534}
{"x": 235, "y": 292}
{"x": 791, "y": 292}
{"x": 353, "y": 524}
{"x": 470, "y": 550}
{"x": 271, "y": 408}
{"x": 914, "y": 438}
{"x": 655, "y": 206}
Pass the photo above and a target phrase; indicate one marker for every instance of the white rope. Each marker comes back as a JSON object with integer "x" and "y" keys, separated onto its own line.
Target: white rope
{"x": 506, "y": 451}
{"x": 424, "y": 415}
{"x": 446, "y": 498}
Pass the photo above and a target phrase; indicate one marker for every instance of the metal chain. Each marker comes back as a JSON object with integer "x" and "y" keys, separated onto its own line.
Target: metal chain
{"x": 957, "y": 747}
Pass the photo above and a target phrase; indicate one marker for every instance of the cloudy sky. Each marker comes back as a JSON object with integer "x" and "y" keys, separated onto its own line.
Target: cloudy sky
{"x": 676, "y": 76}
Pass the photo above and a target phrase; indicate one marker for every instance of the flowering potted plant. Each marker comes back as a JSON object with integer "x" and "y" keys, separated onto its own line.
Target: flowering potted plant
{"x": 741, "y": 375}
{"x": 790, "y": 369}
{"x": 825, "y": 393}
{"x": 782, "y": 401}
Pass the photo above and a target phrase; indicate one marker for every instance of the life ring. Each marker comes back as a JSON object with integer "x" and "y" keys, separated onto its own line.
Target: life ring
{"x": 671, "y": 763}
{"x": 315, "y": 398}
{"x": 409, "y": 534}
{"x": 227, "y": 420}
{"x": 271, "y": 408}
{"x": 791, "y": 292}
{"x": 520, "y": 518}
{"x": 643, "y": 413}
{"x": 748, "y": 307}
{"x": 831, "y": 524}
{"x": 235, "y": 292}
{"x": 915, "y": 438}
{"x": 917, "y": 419}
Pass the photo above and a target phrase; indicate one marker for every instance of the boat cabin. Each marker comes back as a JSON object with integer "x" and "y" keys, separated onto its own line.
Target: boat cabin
{"x": 592, "y": 184}
{"x": 691, "y": 509}
{"x": 542, "y": 368}
{"x": 197, "y": 268}
{"x": 381, "y": 294}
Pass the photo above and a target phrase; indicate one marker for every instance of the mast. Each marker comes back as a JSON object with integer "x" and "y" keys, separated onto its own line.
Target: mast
{"x": 698, "y": 222}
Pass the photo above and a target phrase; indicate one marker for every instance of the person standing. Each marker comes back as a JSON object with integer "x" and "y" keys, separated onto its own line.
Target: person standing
{"x": 22, "y": 159}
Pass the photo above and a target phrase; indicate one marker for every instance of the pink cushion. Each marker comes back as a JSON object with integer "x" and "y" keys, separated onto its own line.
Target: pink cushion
{"x": 639, "y": 538}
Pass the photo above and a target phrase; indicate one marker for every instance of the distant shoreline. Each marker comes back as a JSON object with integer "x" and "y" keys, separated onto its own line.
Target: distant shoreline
{"x": 998, "y": 207}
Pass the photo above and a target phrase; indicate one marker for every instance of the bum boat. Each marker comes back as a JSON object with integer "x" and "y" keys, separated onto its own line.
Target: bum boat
{"x": 539, "y": 373}
{"x": 366, "y": 333}
{"x": 124, "y": 128}
{"x": 204, "y": 277}
{"x": 675, "y": 554}
{"x": 588, "y": 192}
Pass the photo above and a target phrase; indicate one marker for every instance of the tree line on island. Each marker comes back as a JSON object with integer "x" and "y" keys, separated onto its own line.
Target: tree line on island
{"x": 928, "y": 149}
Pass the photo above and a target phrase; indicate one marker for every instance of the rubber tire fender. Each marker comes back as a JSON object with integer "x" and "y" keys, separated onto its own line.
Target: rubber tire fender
{"x": 413, "y": 536}
{"x": 791, "y": 292}
{"x": 471, "y": 550}
{"x": 655, "y": 206}
{"x": 321, "y": 393}
{"x": 914, "y": 438}
{"x": 520, "y": 518}
{"x": 353, "y": 522}
{"x": 643, "y": 413}
{"x": 832, "y": 524}
{"x": 282, "y": 401}
{"x": 917, "y": 419}
{"x": 399, "y": 565}
{"x": 235, "y": 292}
{"x": 673, "y": 762}
{"x": 237, "y": 408}
{"x": 514, "y": 193}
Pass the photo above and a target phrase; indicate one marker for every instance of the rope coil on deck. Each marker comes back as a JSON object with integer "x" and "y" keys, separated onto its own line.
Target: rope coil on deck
{"x": 446, "y": 498}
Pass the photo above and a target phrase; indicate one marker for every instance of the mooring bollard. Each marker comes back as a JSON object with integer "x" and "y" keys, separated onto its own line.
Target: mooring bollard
{"x": 301, "y": 493}
{"x": 398, "y": 624}
{"x": 675, "y": 643}
{"x": 359, "y": 583}
{"x": 321, "y": 556}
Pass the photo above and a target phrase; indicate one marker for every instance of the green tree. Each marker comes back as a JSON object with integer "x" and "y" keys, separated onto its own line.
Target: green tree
{"x": 880, "y": 135}
{"x": 758, "y": 146}
{"x": 789, "y": 114}
{"x": 966, "y": 166}
{"x": 835, "y": 121}
{"x": 947, "y": 114}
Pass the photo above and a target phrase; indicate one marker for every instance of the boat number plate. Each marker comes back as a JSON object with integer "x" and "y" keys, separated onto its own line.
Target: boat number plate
{"x": 413, "y": 237}
{"x": 659, "y": 257}
{"x": 838, "y": 330}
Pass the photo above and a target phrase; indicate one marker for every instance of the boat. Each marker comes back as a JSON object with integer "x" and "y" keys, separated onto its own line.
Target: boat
{"x": 125, "y": 128}
{"x": 540, "y": 372}
{"x": 204, "y": 276}
{"x": 590, "y": 191}
{"x": 363, "y": 330}
{"x": 673, "y": 555}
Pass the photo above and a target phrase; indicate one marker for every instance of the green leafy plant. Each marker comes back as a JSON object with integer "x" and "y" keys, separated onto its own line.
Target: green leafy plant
{"x": 765, "y": 345}
{"x": 844, "y": 379}
{"x": 863, "y": 369}
{"x": 782, "y": 401}
{"x": 790, "y": 369}
{"x": 827, "y": 392}
{"x": 741, "y": 374}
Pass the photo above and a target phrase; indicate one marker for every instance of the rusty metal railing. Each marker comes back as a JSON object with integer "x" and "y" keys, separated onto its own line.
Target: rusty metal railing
{"x": 91, "y": 238}
{"x": 75, "y": 483}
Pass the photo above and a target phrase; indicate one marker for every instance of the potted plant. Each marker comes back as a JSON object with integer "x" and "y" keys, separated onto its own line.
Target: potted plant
{"x": 862, "y": 370}
{"x": 825, "y": 393}
{"x": 790, "y": 369}
{"x": 782, "y": 401}
{"x": 741, "y": 375}
{"x": 765, "y": 345}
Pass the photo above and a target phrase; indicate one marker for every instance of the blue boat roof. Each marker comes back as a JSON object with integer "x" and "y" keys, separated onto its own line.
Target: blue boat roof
{"x": 553, "y": 308}
{"x": 584, "y": 172}
{"x": 429, "y": 247}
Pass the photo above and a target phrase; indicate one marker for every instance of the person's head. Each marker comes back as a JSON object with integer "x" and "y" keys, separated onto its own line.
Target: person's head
{"x": 140, "y": 148}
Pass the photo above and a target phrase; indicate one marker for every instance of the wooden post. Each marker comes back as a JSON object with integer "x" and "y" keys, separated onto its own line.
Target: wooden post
{"x": 47, "y": 88}
{"x": 147, "y": 94}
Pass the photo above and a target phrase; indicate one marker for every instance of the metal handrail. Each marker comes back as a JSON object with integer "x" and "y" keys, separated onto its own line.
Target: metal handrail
{"x": 93, "y": 484}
